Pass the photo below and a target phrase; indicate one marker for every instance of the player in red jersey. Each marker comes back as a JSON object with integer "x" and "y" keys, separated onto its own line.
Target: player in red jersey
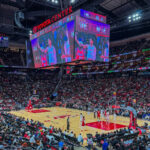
{"x": 105, "y": 113}
{"x": 80, "y": 53}
{"x": 29, "y": 107}
{"x": 83, "y": 121}
{"x": 98, "y": 115}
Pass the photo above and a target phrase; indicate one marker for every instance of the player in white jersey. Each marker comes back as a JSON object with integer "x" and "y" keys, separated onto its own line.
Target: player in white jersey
{"x": 114, "y": 116}
{"x": 102, "y": 114}
{"x": 81, "y": 118}
{"x": 115, "y": 120}
{"x": 107, "y": 116}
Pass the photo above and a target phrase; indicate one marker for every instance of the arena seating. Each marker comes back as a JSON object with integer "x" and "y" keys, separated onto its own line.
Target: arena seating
{"x": 130, "y": 46}
{"x": 15, "y": 87}
{"x": 12, "y": 58}
{"x": 17, "y": 133}
{"x": 14, "y": 90}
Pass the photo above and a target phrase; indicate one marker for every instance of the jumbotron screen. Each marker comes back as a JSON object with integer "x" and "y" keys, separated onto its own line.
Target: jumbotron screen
{"x": 54, "y": 47}
{"x": 81, "y": 36}
{"x": 91, "y": 40}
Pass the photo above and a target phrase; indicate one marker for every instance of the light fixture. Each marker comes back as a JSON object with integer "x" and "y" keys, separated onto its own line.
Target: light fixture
{"x": 137, "y": 14}
{"x": 134, "y": 17}
{"x": 72, "y": 1}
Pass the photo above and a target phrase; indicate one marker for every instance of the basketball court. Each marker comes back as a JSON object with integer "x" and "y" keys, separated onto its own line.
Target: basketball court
{"x": 57, "y": 117}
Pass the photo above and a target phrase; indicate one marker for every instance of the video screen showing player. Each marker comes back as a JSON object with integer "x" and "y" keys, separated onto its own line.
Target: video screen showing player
{"x": 54, "y": 47}
{"x": 47, "y": 53}
{"x": 91, "y": 47}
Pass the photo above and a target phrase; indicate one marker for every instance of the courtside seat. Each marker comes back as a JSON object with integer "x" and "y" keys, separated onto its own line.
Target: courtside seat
{"x": 71, "y": 139}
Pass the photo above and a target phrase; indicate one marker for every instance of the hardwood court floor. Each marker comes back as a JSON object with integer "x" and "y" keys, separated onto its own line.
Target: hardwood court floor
{"x": 57, "y": 117}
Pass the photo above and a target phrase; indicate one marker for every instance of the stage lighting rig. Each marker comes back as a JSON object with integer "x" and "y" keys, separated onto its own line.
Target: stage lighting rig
{"x": 135, "y": 17}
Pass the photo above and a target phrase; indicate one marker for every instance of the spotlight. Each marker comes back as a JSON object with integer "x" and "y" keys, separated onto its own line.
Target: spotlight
{"x": 72, "y": 1}
{"x": 134, "y": 16}
{"x": 56, "y": 1}
{"x": 137, "y": 14}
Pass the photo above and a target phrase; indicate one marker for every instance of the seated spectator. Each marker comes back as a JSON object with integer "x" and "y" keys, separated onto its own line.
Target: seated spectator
{"x": 90, "y": 143}
{"x": 71, "y": 134}
{"x": 61, "y": 145}
{"x": 105, "y": 145}
{"x": 80, "y": 138}
{"x": 32, "y": 140}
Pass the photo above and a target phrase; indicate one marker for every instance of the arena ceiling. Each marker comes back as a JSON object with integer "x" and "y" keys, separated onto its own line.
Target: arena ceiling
{"x": 17, "y": 17}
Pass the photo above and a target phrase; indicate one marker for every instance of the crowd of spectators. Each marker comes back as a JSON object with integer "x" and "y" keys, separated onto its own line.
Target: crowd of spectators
{"x": 20, "y": 134}
{"x": 12, "y": 58}
{"x": 99, "y": 92}
{"x": 123, "y": 139}
{"x": 16, "y": 88}
{"x": 130, "y": 46}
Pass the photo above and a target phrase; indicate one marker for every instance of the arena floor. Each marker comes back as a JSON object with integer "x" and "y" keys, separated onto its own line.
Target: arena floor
{"x": 57, "y": 117}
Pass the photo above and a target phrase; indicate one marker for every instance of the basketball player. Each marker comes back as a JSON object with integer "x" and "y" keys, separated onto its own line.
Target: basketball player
{"x": 29, "y": 107}
{"x": 98, "y": 115}
{"x": 67, "y": 53}
{"x": 81, "y": 118}
{"x": 114, "y": 116}
{"x": 80, "y": 53}
{"x": 105, "y": 113}
{"x": 91, "y": 49}
{"x": 50, "y": 49}
{"x": 83, "y": 121}
{"x": 43, "y": 54}
{"x": 51, "y": 53}
{"x": 115, "y": 120}
{"x": 102, "y": 115}
{"x": 107, "y": 116}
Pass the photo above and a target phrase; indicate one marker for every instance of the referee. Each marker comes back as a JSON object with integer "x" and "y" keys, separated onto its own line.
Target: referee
{"x": 68, "y": 124}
